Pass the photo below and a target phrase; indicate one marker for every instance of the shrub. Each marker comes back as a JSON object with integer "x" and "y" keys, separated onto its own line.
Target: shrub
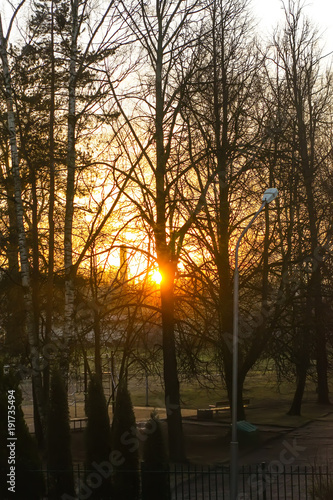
{"x": 28, "y": 477}
{"x": 155, "y": 470}
{"x": 59, "y": 455}
{"x": 125, "y": 442}
{"x": 97, "y": 436}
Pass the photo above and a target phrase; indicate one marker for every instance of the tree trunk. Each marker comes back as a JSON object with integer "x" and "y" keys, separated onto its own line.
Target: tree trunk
{"x": 321, "y": 347}
{"x": 14, "y": 324}
{"x": 23, "y": 249}
{"x": 172, "y": 393}
{"x": 50, "y": 269}
{"x": 240, "y": 385}
{"x": 240, "y": 408}
{"x": 97, "y": 337}
{"x": 221, "y": 130}
{"x": 296, "y": 405}
{"x": 35, "y": 253}
{"x": 167, "y": 267}
{"x": 40, "y": 431}
{"x": 70, "y": 191}
{"x": 315, "y": 289}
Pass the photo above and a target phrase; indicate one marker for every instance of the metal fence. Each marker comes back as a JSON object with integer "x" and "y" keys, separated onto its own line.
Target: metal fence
{"x": 259, "y": 482}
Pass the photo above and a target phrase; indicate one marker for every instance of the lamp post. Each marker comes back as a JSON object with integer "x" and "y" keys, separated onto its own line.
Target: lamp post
{"x": 268, "y": 196}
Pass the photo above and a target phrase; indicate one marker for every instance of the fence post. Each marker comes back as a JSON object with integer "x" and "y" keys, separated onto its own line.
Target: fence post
{"x": 263, "y": 479}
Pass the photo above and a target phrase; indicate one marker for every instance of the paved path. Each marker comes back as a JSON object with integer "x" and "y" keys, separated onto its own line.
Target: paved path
{"x": 311, "y": 444}
{"x": 287, "y": 449}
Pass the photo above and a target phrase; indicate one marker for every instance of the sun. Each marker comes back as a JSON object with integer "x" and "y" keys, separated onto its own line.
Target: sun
{"x": 156, "y": 276}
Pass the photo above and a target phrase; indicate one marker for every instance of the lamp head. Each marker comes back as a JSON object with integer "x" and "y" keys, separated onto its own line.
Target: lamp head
{"x": 270, "y": 194}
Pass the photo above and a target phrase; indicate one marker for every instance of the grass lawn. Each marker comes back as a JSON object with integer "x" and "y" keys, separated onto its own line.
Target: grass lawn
{"x": 269, "y": 403}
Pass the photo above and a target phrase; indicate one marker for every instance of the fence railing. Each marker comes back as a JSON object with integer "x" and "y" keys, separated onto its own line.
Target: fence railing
{"x": 256, "y": 482}
{"x": 259, "y": 482}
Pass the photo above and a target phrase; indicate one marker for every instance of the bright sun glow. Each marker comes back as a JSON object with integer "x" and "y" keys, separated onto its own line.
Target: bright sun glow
{"x": 156, "y": 276}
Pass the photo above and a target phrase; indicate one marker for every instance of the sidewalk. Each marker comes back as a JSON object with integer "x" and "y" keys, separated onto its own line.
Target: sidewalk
{"x": 306, "y": 442}
{"x": 142, "y": 413}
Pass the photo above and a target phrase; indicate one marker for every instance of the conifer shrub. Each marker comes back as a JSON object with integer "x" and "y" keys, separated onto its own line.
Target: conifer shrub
{"x": 97, "y": 441}
{"x": 59, "y": 457}
{"x": 126, "y": 478}
{"x": 28, "y": 481}
{"x": 155, "y": 468}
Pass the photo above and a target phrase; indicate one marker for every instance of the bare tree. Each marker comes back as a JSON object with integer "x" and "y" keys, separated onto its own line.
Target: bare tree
{"x": 306, "y": 103}
{"x": 223, "y": 109}
{"x": 166, "y": 41}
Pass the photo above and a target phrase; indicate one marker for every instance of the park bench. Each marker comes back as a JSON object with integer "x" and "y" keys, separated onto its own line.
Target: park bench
{"x": 77, "y": 424}
{"x": 219, "y": 406}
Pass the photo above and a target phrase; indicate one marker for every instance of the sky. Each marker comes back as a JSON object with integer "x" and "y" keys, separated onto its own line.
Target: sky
{"x": 268, "y": 12}
{"x": 320, "y": 12}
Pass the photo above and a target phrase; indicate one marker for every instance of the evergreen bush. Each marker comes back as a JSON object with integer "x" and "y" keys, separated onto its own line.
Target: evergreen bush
{"x": 29, "y": 482}
{"x": 126, "y": 443}
{"x": 97, "y": 439}
{"x": 155, "y": 468}
{"x": 59, "y": 455}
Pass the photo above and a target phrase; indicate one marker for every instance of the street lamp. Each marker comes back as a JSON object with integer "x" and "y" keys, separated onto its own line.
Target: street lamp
{"x": 268, "y": 196}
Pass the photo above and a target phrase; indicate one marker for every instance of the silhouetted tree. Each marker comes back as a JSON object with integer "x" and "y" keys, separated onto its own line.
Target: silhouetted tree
{"x": 155, "y": 476}
{"x": 28, "y": 476}
{"x": 97, "y": 435}
{"x": 161, "y": 162}
{"x": 301, "y": 95}
{"x": 224, "y": 124}
{"x": 124, "y": 440}
{"x": 59, "y": 457}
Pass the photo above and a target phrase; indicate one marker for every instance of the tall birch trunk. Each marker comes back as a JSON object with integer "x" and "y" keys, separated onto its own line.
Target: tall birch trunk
{"x": 15, "y": 335}
{"x": 32, "y": 332}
